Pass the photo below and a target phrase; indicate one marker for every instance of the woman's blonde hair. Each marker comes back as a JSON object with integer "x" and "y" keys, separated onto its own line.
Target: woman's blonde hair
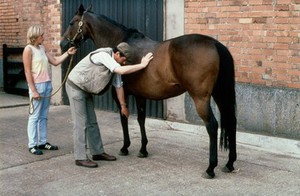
{"x": 33, "y": 33}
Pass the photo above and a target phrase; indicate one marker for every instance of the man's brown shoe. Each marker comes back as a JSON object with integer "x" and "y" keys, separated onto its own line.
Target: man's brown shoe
{"x": 104, "y": 157}
{"x": 86, "y": 163}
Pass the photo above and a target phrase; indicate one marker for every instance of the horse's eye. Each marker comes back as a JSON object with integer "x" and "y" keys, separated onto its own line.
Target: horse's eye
{"x": 71, "y": 23}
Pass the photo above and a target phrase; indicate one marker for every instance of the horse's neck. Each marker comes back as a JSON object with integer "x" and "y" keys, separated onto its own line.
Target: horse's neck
{"x": 105, "y": 34}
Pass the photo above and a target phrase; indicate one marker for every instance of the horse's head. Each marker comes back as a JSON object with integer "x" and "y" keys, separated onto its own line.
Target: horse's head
{"x": 77, "y": 29}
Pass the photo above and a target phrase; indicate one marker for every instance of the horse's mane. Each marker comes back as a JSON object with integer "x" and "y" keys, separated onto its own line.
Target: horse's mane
{"x": 130, "y": 32}
{"x": 133, "y": 34}
{"x": 112, "y": 21}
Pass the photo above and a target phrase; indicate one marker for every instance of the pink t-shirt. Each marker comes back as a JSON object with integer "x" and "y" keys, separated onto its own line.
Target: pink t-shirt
{"x": 40, "y": 68}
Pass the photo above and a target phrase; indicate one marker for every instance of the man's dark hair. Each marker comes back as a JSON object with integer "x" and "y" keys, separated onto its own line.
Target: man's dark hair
{"x": 115, "y": 49}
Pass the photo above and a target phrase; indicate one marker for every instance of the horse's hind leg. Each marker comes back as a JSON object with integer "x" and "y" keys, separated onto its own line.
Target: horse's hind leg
{"x": 205, "y": 112}
{"x": 141, "y": 108}
{"x": 228, "y": 126}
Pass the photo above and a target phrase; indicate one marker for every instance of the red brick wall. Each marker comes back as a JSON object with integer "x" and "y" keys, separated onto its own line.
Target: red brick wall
{"x": 263, "y": 36}
{"x": 17, "y": 16}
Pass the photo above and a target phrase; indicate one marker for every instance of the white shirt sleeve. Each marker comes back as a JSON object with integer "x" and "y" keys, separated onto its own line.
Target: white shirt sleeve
{"x": 117, "y": 81}
{"x": 105, "y": 59}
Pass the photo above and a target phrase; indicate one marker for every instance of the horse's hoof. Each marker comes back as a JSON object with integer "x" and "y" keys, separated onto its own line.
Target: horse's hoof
{"x": 123, "y": 152}
{"x": 225, "y": 169}
{"x": 142, "y": 155}
{"x": 208, "y": 176}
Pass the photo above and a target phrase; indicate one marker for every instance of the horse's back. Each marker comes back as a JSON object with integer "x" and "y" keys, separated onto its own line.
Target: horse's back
{"x": 185, "y": 63}
{"x": 192, "y": 40}
{"x": 158, "y": 80}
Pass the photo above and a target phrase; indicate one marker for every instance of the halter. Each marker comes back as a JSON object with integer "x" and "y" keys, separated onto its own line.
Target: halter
{"x": 79, "y": 30}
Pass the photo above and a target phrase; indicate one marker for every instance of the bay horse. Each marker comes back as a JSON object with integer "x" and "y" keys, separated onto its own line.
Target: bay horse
{"x": 195, "y": 63}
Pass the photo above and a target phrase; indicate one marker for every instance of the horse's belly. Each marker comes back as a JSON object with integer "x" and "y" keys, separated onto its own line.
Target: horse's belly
{"x": 155, "y": 91}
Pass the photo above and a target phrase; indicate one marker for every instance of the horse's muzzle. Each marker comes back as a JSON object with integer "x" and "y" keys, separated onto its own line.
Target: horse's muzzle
{"x": 65, "y": 44}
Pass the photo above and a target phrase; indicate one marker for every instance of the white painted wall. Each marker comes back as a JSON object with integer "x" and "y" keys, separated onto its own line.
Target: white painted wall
{"x": 174, "y": 26}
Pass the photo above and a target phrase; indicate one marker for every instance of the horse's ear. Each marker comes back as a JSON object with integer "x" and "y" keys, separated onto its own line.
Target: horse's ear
{"x": 89, "y": 8}
{"x": 80, "y": 9}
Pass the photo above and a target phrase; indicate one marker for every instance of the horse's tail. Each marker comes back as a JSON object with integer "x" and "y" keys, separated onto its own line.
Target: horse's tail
{"x": 224, "y": 96}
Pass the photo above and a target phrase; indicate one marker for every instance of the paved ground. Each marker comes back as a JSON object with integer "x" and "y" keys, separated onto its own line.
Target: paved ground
{"x": 178, "y": 157}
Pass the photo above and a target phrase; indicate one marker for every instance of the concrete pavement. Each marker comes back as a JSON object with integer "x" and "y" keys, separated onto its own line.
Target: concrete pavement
{"x": 178, "y": 155}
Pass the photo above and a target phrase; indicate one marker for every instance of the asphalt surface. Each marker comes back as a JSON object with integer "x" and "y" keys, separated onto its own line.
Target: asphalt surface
{"x": 178, "y": 155}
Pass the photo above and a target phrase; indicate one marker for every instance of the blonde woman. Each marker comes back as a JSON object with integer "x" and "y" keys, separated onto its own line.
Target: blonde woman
{"x": 36, "y": 61}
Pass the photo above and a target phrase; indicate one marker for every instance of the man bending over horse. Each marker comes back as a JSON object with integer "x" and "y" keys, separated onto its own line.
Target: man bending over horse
{"x": 90, "y": 76}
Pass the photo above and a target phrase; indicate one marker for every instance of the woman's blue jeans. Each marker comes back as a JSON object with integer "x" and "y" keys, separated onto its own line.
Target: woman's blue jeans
{"x": 38, "y": 117}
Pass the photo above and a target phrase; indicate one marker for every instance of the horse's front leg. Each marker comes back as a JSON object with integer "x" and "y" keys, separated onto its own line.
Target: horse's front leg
{"x": 126, "y": 143}
{"x": 124, "y": 123}
{"x": 141, "y": 108}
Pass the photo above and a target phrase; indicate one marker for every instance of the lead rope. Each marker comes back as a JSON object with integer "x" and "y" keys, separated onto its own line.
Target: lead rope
{"x": 31, "y": 106}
